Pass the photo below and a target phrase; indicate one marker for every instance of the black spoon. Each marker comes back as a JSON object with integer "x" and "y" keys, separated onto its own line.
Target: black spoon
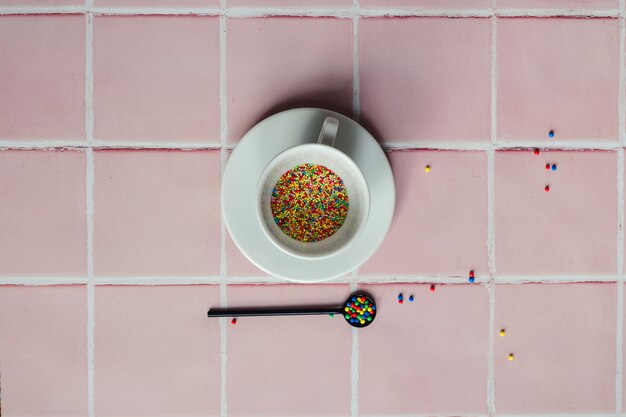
{"x": 359, "y": 310}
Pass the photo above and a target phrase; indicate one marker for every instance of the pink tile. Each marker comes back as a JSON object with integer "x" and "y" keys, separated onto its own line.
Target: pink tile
{"x": 563, "y": 341}
{"x": 42, "y": 77}
{"x": 440, "y": 221}
{"x": 157, "y": 213}
{"x": 285, "y": 62}
{"x": 157, "y": 3}
{"x": 10, "y": 3}
{"x": 156, "y": 78}
{"x": 437, "y": 4}
{"x": 238, "y": 264}
{"x": 557, "y": 74}
{"x": 434, "y": 362}
{"x": 156, "y": 352}
{"x": 288, "y": 366}
{"x": 555, "y": 4}
{"x": 433, "y": 83}
{"x": 43, "y": 228}
{"x": 569, "y": 230}
{"x": 290, "y": 3}
{"x": 43, "y": 347}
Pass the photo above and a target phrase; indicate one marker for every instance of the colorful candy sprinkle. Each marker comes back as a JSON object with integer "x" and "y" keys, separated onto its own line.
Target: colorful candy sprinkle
{"x": 553, "y": 167}
{"x": 511, "y": 356}
{"x": 432, "y": 288}
{"x": 547, "y": 167}
{"x": 234, "y": 321}
{"x": 309, "y": 203}
{"x": 536, "y": 151}
{"x": 471, "y": 276}
{"x": 502, "y": 332}
{"x": 551, "y": 133}
{"x": 359, "y": 310}
{"x": 427, "y": 168}
{"x": 411, "y": 298}
{"x": 547, "y": 189}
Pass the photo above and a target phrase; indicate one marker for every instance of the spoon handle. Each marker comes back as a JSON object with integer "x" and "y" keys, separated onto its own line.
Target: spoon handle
{"x": 273, "y": 311}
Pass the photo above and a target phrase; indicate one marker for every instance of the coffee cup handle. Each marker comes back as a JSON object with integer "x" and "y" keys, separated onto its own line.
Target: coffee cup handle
{"x": 328, "y": 132}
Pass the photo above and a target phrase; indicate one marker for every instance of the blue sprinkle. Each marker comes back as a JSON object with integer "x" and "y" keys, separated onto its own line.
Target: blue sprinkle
{"x": 353, "y": 298}
{"x": 471, "y": 279}
{"x": 400, "y": 297}
{"x": 551, "y": 133}
{"x": 347, "y": 304}
{"x": 553, "y": 167}
{"x": 411, "y": 298}
{"x": 367, "y": 313}
{"x": 373, "y": 308}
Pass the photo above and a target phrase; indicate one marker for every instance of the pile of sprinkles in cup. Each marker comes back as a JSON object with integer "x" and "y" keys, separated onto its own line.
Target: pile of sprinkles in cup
{"x": 309, "y": 203}
{"x": 359, "y": 310}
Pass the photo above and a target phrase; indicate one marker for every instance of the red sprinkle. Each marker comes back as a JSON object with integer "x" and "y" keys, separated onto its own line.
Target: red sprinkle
{"x": 400, "y": 301}
{"x": 432, "y": 288}
{"x": 547, "y": 188}
{"x": 547, "y": 167}
{"x": 471, "y": 274}
{"x": 536, "y": 151}
{"x": 234, "y": 321}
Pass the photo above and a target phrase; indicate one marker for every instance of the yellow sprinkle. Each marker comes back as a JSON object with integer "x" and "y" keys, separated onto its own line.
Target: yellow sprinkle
{"x": 511, "y": 356}
{"x": 427, "y": 168}
{"x": 346, "y": 309}
{"x": 502, "y": 332}
{"x": 362, "y": 321}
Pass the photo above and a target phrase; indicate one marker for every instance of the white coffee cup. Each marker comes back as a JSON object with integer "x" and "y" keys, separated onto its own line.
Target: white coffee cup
{"x": 325, "y": 154}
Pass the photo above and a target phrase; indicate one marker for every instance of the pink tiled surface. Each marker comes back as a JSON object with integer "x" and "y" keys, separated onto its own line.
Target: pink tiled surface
{"x": 278, "y": 63}
{"x": 154, "y": 81}
{"x": 415, "y": 91}
{"x": 111, "y": 152}
{"x": 290, "y": 3}
{"x": 555, "y": 4}
{"x": 238, "y": 265}
{"x": 569, "y": 230}
{"x": 457, "y": 4}
{"x": 557, "y": 74}
{"x": 434, "y": 350}
{"x": 303, "y": 369}
{"x": 156, "y": 352}
{"x": 454, "y": 189}
{"x": 42, "y": 77}
{"x": 43, "y": 342}
{"x": 179, "y": 236}
{"x": 157, "y": 3}
{"x": 563, "y": 341}
{"x": 43, "y": 226}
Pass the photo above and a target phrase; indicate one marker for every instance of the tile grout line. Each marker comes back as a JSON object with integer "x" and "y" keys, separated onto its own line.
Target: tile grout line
{"x": 346, "y": 13}
{"x": 620, "y": 218}
{"x": 361, "y": 279}
{"x": 356, "y": 94}
{"x": 90, "y": 172}
{"x": 223, "y": 260}
{"x": 490, "y": 214}
{"x": 389, "y": 146}
{"x": 356, "y": 115}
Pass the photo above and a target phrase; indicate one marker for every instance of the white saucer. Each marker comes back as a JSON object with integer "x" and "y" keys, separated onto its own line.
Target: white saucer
{"x": 255, "y": 150}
